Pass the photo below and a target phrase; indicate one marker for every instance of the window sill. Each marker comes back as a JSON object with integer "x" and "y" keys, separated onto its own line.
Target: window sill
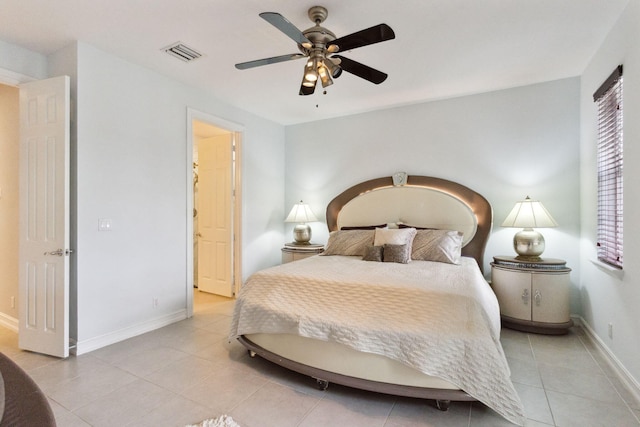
{"x": 612, "y": 271}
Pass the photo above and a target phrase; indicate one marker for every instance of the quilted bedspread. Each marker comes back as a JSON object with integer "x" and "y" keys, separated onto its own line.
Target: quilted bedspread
{"x": 440, "y": 319}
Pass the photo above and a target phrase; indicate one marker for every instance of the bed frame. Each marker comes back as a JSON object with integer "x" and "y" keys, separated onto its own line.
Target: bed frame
{"x": 419, "y": 201}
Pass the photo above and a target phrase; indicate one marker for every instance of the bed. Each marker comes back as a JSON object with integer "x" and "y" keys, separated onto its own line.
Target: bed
{"x": 397, "y": 303}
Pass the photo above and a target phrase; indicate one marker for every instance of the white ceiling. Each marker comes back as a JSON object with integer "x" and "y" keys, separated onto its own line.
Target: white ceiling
{"x": 442, "y": 49}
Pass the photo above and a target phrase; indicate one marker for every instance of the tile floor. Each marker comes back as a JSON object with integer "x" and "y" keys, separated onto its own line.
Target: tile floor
{"x": 188, "y": 371}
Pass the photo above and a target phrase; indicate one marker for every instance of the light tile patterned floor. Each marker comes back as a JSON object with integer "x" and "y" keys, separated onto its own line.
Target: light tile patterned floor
{"x": 187, "y": 372}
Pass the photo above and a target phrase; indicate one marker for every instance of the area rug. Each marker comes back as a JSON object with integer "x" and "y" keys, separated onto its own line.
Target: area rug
{"x": 221, "y": 421}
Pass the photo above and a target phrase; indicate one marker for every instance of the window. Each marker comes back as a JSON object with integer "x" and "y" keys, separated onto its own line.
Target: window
{"x": 609, "y": 159}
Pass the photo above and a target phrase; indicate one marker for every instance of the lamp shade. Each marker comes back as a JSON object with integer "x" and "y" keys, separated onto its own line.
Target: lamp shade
{"x": 301, "y": 212}
{"x": 529, "y": 214}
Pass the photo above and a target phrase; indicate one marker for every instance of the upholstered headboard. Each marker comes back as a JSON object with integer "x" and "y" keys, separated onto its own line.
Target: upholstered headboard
{"x": 422, "y": 201}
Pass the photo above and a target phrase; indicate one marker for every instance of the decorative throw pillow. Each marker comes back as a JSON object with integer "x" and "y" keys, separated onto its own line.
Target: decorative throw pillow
{"x": 437, "y": 245}
{"x": 349, "y": 242}
{"x": 396, "y": 253}
{"x": 373, "y": 253}
{"x": 394, "y": 236}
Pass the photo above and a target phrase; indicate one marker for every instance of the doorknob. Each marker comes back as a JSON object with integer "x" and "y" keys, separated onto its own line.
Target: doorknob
{"x": 60, "y": 252}
{"x": 57, "y": 252}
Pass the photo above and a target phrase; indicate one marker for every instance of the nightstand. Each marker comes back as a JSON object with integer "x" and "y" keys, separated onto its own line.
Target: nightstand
{"x": 533, "y": 295}
{"x": 296, "y": 252}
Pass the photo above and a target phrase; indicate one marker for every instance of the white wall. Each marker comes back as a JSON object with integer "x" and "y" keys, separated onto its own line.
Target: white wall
{"x": 16, "y": 62}
{"x": 131, "y": 168}
{"x": 505, "y": 145}
{"x": 607, "y": 296}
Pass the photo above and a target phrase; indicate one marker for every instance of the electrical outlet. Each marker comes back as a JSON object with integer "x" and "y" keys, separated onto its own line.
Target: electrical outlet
{"x": 13, "y": 302}
{"x": 155, "y": 302}
{"x": 610, "y": 330}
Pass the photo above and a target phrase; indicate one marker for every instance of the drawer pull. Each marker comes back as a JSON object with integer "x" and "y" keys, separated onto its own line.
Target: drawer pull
{"x": 525, "y": 297}
{"x": 537, "y": 297}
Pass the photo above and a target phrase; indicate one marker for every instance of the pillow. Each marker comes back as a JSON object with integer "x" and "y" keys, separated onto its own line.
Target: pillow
{"x": 396, "y": 253}
{"x": 437, "y": 245}
{"x": 348, "y": 242}
{"x": 394, "y": 236}
{"x": 363, "y": 227}
{"x": 402, "y": 225}
{"x": 373, "y": 253}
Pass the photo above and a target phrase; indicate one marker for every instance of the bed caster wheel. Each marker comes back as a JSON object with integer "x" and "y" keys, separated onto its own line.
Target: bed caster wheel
{"x": 322, "y": 384}
{"x": 443, "y": 405}
{"x": 252, "y": 353}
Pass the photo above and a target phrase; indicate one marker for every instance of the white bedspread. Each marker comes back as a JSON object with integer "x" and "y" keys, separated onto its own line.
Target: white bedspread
{"x": 440, "y": 319}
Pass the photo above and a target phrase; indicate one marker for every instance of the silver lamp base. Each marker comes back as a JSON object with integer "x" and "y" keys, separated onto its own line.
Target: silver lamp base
{"x": 529, "y": 244}
{"x": 301, "y": 234}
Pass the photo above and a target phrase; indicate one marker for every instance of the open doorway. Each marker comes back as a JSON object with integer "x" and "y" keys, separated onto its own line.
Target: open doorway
{"x": 214, "y": 198}
{"x": 9, "y": 212}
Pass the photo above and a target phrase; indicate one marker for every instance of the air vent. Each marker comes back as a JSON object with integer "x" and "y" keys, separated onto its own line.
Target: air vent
{"x": 182, "y": 52}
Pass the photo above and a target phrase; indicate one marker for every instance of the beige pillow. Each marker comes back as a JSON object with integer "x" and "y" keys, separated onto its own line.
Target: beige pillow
{"x": 394, "y": 236}
{"x": 437, "y": 245}
{"x": 349, "y": 242}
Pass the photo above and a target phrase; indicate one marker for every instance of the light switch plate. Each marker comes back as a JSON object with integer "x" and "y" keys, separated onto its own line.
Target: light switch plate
{"x": 104, "y": 224}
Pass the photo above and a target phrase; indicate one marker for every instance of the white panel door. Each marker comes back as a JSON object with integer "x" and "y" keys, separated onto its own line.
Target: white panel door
{"x": 44, "y": 217}
{"x": 215, "y": 197}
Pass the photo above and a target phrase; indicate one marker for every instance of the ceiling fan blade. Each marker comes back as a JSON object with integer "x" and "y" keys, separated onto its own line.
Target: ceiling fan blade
{"x": 361, "y": 70}
{"x": 281, "y": 23}
{"x": 267, "y": 61}
{"x": 376, "y": 34}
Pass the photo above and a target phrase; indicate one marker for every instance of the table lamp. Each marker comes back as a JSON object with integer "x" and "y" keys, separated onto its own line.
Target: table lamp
{"x": 301, "y": 213}
{"x": 529, "y": 214}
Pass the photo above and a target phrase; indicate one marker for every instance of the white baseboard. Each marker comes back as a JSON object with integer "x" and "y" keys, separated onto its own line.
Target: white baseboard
{"x": 9, "y": 322}
{"x": 624, "y": 375}
{"x": 95, "y": 343}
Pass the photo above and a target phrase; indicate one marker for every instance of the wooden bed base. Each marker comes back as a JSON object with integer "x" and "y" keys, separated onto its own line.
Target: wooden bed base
{"x": 482, "y": 216}
{"x": 442, "y": 397}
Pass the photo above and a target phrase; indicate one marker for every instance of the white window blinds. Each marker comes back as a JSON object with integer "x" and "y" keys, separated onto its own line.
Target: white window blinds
{"x": 609, "y": 159}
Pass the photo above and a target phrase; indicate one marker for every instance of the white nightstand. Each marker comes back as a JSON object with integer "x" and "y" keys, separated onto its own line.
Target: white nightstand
{"x": 296, "y": 252}
{"x": 533, "y": 295}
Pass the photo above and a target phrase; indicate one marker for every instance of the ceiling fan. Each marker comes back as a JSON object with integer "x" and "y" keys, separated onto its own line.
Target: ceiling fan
{"x": 320, "y": 46}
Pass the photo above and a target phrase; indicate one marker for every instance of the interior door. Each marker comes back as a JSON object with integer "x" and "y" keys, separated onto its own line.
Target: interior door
{"x": 215, "y": 228}
{"x": 44, "y": 217}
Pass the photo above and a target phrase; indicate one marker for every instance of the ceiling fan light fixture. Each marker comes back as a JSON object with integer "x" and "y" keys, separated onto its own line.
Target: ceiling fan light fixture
{"x": 325, "y": 78}
{"x": 310, "y": 71}
{"x": 307, "y": 87}
{"x": 308, "y": 83}
{"x": 333, "y": 69}
{"x": 310, "y": 76}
